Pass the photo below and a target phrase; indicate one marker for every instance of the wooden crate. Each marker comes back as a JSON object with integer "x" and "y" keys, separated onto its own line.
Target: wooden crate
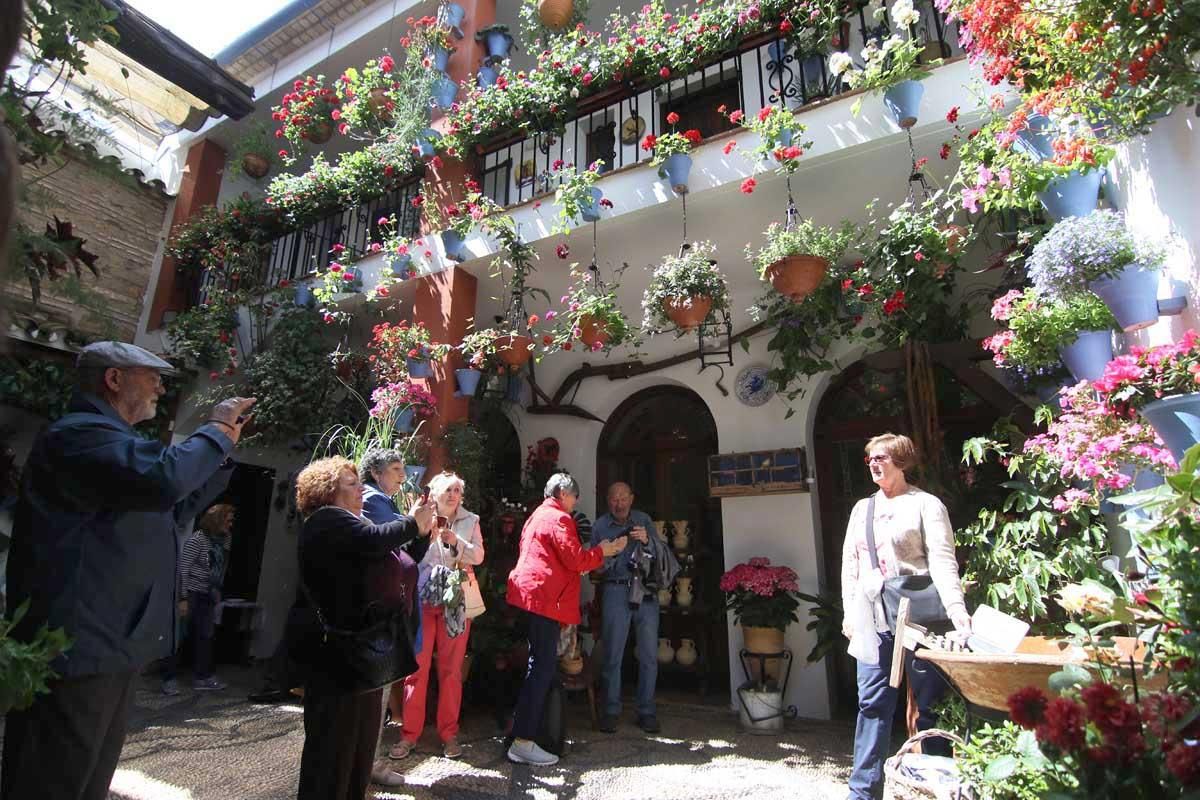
{"x": 758, "y": 472}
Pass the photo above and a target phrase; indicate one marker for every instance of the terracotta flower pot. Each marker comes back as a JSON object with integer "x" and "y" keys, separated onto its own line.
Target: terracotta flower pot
{"x": 796, "y": 277}
{"x": 592, "y": 331}
{"x": 321, "y": 132}
{"x": 763, "y": 640}
{"x": 378, "y": 101}
{"x": 255, "y": 165}
{"x": 687, "y": 312}
{"x": 514, "y": 350}
{"x": 555, "y": 14}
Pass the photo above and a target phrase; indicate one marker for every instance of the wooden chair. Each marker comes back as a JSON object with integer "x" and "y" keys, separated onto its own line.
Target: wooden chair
{"x": 586, "y": 679}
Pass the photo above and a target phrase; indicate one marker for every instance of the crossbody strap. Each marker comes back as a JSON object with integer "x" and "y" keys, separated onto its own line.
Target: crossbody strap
{"x": 871, "y": 532}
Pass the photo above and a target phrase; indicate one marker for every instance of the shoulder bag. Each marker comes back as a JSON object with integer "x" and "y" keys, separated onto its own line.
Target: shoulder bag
{"x": 925, "y": 607}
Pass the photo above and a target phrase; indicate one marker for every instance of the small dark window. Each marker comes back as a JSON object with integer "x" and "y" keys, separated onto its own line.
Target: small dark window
{"x": 698, "y": 108}
{"x": 602, "y": 143}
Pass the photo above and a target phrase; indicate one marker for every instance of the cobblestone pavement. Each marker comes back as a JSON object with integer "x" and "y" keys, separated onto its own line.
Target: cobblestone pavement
{"x": 216, "y": 746}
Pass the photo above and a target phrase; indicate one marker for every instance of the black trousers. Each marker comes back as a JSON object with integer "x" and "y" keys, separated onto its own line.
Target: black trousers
{"x": 543, "y": 669}
{"x": 201, "y": 613}
{"x": 340, "y": 734}
{"x": 66, "y": 745}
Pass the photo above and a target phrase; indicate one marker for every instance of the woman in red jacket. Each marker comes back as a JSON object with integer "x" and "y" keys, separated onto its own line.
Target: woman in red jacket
{"x": 545, "y": 583}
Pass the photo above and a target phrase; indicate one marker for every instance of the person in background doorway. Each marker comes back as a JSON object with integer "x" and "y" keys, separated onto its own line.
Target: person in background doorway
{"x": 460, "y": 543}
{"x": 619, "y": 608}
{"x": 202, "y": 565}
{"x": 93, "y": 552}
{"x": 913, "y": 536}
{"x": 545, "y": 582}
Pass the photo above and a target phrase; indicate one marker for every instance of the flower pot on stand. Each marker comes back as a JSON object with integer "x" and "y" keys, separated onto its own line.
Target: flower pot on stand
{"x": 676, "y": 169}
{"x": 555, "y": 14}
{"x": 444, "y": 92}
{"x": 440, "y": 57}
{"x": 468, "y": 381}
{"x": 452, "y": 243}
{"x": 687, "y": 312}
{"x": 256, "y": 166}
{"x": 419, "y": 367}
{"x": 413, "y": 473}
{"x": 590, "y": 210}
{"x": 1131, "y": 295}
{"x": 1088, "y": 355}
{"x": 593, "y": 333}
{"x": 796, "y": 277}
{"x": 1073, "y": 195}
{"x": 1037, "y": 140}
{"x": 1177, "y": 422}
{"x": 904, "y": 101}
{"x": 763, "y": 641}
{"x": 406, "y": 420}
{"x": 666, "y": 653}
{"x": 321, "y": 132}
{"x": 514, "y": 350}
{"x": 683, "y": 592}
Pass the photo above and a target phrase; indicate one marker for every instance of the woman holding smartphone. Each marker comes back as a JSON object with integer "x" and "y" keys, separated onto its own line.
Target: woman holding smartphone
{"x": 459, "y": 543}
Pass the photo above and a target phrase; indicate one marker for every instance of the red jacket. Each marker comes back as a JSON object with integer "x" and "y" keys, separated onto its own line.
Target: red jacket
{"x": 545, "y": 580}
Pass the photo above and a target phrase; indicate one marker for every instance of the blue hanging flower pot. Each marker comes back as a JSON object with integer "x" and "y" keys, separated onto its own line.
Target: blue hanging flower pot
{"x": 400, "y": 266}
{"x": 413, "y": 473}
{"x": 1036, "y": 141}
{"x": 453, "y": 14}
{"x": 1073, "y": 195}
{"x": 487, "y": 75}
{"x": 1131, "y": 295}
{"x": 498, "y": 44}
{"x": 512, "y": 391}
{"x": 444, "y": 92}
{"x": 1088, "y": 355}
{"x": 468, "y": 382}
{"x": 1177, "y": 422}
{"x": 675, "y": 169}
{"x": 304, "y": 295}
{"x": 904, "y": 101}
{"x": 440, "y": 57}
{"x": 590, "y": 211}
{"x": 453, "y": 243}
{"x": 406, "y": 420}
{"x": 419, "y": 367}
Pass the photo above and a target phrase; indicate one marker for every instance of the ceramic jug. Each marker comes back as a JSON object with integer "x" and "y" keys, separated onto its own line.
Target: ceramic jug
{"x": 680, "y": 542}
{"x": 686, "y": 655}
{"x": 666, "y": 653}
{"x": 683, "y": 592}
{"x": 664, "y": 597}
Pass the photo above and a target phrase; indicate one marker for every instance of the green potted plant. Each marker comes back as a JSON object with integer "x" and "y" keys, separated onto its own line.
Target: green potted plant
{"x": 577, "y": 196}
{"x": 206, "y": 336}
{"x": 685, "y": 289}
{"x": 797, "y": 256}
{"x": 1042, "y": 330}
{"x": 591, "y": 317}
{"x": 368, "y": 96}
{"x": 1099, "y": 253}
{"x": 255, "y": 153}
{"x": 671, "y": 153}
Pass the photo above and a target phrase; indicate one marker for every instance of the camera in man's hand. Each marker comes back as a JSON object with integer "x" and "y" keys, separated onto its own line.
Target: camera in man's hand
{"x": 642, "y": 563}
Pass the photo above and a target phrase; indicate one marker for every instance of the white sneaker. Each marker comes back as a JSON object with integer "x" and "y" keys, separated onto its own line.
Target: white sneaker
{"x": 524, "y": 751}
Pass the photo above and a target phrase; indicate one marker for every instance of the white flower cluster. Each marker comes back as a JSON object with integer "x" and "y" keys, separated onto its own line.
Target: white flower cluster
{"x": 904, "y": 15}
{"x": 873, "y": 55}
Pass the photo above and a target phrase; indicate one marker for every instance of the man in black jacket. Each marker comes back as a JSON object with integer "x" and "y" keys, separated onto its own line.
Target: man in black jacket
{"x": 94, "y": 553}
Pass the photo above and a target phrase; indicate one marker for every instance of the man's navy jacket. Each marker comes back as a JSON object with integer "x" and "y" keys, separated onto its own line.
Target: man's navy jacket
{"x": 94, "y": 547}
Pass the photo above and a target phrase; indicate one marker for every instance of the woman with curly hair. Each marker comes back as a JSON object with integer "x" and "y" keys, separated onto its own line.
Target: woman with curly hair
{"x": 343, "y": 558}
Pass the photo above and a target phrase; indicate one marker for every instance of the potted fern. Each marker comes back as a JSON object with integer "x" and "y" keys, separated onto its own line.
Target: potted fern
{"x": 685, "y": 289}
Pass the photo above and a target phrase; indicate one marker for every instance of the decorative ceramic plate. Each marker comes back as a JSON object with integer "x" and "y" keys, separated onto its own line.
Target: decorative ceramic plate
{"x": 753, "y": 387}
{"x": 632, "y": 129}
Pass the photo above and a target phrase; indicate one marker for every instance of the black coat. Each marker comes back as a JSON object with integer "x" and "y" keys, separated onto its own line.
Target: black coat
{"x": 94, "y": 547}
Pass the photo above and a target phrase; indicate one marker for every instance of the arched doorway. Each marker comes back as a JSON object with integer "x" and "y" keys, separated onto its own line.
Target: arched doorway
{"x": 863, "y": 402}
{"x": 659, "y": 441}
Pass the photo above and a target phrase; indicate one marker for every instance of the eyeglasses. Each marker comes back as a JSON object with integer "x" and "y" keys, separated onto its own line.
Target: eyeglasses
{"x": 876, "y": 459}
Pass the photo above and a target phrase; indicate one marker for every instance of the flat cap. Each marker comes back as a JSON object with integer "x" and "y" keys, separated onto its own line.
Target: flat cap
{"x": 120, "y": 354}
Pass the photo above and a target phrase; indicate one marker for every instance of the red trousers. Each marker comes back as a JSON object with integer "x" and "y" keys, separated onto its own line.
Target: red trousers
{"x": 450, "y": 654}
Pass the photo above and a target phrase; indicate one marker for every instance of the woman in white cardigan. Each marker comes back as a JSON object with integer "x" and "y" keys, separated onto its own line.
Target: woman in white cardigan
{"x": 461, "y": 543}
{"x": 913, "y": 536}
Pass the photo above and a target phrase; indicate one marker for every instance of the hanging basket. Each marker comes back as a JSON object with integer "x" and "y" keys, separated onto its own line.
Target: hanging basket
{"x": 676, "y": 170}
{"x": 904, "y": 101}
{"x": 593, "y": 333}
{"x": 555, "y": 14}
{"x": 904, "y": 784}
{"x": 378, "y": 101}
{"x": 255, "y": 165}
{"x": 321, "y": 132}
{"x": 687, "y": 312}
{"x": 514, "y": 350}
{"x": 796, "y": 277}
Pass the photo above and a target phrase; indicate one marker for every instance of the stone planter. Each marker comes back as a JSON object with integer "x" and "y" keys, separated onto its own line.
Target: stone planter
{"x": 796, "y": 277}
{"x": 904, "y": 101}
{"x": 687, "y": 312}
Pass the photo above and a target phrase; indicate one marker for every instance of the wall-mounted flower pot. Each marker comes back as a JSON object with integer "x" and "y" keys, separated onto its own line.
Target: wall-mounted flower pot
{"x": 796, "y": 277}
{"x": 453, "y": 15}
{"x": 1087, "y": 356}
{"x": 514, "y": 350}
{"x": 468, "y": 382}
{"x": 676, "y": 169}
{"x": 454, "y": 245}
{"x": 427, "y": 143}
{"x": 687, "y": 312}
{"x": 1131, "y": 295}
{"x": 590, "y": 211}
{"x": 1073, "y": 195}
{"x": 320, "y": 132}
{"x": 904, "y": 101}
{"x": 487, "y": 75}
{"x": 1037, "y": 139}
{"x": 1177, "y": 422}
{"x": 593, "y": 333}
{"x": 419, "y": 367}
{"x": 413, "y": 473}
{"x": 401, "y": 265}
{"x": 556, "y": 14}
{"x": 255, "y": 166}
{"x": 440, "y": 57}
{"x": 354, "y": 281}
{"x": 777, "y": 51}
{"x": 444, "y": 92}
{"x": 406, "y": 420}
{"x": 514, "y": 387}
{"x": 498, "y": 44}
{"x": 304, "y": 295}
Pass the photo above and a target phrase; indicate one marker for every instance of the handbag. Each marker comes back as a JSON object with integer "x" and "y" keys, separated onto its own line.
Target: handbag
{"x": 925, "y": 604}
{"x": 472, "y": 596}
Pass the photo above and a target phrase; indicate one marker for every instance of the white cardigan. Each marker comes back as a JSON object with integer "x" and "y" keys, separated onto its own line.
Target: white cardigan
{"x": 470, "y": 545}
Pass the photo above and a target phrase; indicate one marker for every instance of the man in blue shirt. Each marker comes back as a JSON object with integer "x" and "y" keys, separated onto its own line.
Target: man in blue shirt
{"x": 618, "y": 609}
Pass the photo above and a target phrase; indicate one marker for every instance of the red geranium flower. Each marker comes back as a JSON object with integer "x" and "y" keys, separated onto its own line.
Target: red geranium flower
{"x": 562, "y": 251}
{"x": 672, "y": 118}
{"x": 649, "y": 142}
{"x": 748, "y": 186}
{"x": 694, "y": 136}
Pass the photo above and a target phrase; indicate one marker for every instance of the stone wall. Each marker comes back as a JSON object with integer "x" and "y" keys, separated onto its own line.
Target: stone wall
{"x": 122, "y": 223}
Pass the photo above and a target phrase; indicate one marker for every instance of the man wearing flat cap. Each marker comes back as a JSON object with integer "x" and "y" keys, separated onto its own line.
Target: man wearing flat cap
{"x": 94, "y": 552}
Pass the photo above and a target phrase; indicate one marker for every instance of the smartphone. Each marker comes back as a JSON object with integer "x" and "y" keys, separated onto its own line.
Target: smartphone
{"x": 425, "y": 495}
{"x": 441, "y": 522}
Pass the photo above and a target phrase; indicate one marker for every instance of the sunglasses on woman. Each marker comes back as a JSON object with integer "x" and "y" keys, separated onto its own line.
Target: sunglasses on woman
{"x": 876, "y": 459}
